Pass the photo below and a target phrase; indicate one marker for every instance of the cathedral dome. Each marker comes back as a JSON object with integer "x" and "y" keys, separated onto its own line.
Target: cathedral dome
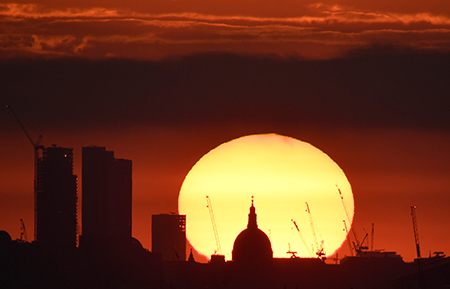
{"x": 252, "y": 245}
{"x": 5, "y": 238}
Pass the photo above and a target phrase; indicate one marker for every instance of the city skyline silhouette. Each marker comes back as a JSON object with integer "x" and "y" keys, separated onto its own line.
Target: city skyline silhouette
{"x": 391, "y": 147}
{"x": 109, "y": 258}
{"x": 162, "y": 83}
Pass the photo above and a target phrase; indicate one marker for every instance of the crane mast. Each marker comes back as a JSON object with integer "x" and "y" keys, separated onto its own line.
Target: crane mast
{"x": 416, "y": 232}
{"x": 213, "y": 222}
{"x": 37, "y": 146}
{"x": 312, "y": 225}
{"x": 416, "y": 239}
{"x": 303, "y": 240}
{"x": 319, "y": 250}
{"x": 356, "y": 244}
{"x": 371, "y": 242}
{"x": 349, "y": 242}
{"x": 23, "y": 232}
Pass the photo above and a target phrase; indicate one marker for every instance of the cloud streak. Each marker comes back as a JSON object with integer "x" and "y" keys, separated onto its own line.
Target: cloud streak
{"x": 327, "y": 31}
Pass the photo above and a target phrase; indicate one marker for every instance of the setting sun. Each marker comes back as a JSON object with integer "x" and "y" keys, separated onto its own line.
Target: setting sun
{"x": 285, "y": 176}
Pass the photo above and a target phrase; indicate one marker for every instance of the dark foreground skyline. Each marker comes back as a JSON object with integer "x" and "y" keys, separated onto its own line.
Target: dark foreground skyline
{"x": 128, "y": 265}
{"x": 381, "y": 114}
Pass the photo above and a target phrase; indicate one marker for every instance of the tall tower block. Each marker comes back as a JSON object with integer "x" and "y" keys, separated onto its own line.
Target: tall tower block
{"x": 56, "y": 199}
{"x": 169, "y": 236}
{"x": 106, "y": 198}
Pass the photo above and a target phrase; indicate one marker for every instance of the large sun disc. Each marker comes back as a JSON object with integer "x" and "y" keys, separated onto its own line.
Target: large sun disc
{"x": 285, "y": 176}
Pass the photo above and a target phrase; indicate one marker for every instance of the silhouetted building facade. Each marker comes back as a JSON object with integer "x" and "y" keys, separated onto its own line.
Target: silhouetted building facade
{"x": 106, "y": 199}
{"x": 169, "y": 236}
{"x": 56, "y": 198}
{"x": 252, "y": 246}
{"x": 253, "y": 262}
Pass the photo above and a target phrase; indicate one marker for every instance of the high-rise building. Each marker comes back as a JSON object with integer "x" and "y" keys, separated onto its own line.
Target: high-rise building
{"x": 106, "y": 199}
{"x": 56, "y": 198}
{"x": 169, "y": 236}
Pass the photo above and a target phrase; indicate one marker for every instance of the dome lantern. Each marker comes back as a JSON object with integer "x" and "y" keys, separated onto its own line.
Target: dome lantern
{"x": 252, "y": 245}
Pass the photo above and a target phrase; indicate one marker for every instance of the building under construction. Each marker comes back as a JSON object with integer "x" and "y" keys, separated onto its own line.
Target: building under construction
{"x": 169, "y": 236}
{"x": 56, "y": 198}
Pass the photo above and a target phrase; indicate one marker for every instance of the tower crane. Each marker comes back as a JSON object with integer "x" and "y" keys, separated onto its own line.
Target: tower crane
{"x": 416, "y": 239}
{"x": 319, "y": 250}
{"x": 23, "y": 232}
{"x": 349, "y": 242}
{"x": 37, "y": 146}
{"x": 213, "y": 222}
{"x": 303, "y": 240}
{"x": 373, "y": 232}
{"x": 291, "y": 252}
{"x": 416, "y": 231}
{"x": 356, "y": 244}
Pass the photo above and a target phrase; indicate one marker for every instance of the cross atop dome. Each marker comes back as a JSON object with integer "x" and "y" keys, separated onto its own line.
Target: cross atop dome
{"x": 252, "y": 247}
{"x": 252, "y": 217}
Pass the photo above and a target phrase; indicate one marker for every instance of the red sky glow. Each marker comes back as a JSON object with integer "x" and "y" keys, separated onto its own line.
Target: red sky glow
{"x": 164, "y": 82}
{"x": 312, "y": 30}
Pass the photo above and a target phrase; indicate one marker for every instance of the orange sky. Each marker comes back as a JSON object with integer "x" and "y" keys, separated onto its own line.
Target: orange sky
{"x": 162, "y": 83}
{"x": 388, "y": 171}
{"x": 144, "y": 30}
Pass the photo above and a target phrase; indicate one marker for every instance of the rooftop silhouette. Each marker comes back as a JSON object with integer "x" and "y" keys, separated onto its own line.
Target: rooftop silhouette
{"x": 56, "y": 198}
{"x": 107, "y": 198}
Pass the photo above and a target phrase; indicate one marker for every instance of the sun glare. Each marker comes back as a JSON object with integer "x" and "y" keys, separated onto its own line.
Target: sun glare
{"x": 284, "y": 175}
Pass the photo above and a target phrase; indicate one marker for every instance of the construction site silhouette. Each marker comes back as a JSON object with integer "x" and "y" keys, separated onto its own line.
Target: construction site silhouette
{"x": 107, "y": 256}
